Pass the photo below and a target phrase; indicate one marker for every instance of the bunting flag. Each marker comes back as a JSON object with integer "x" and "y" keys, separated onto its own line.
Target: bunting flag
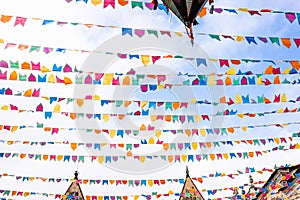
{"x": 145, "y": 113}
{"x": 163, "y": 145}
{"x": 141, "y": 158}
{"x": 121, "y": 132}
{"x": 200, "y": 80}
{"x": 167, "y": 105}
{"x": 31, "y": 66}
{"x": 290, "y": 16}
{"x": 140, "y": 182}
{"x": 280, "y": 41}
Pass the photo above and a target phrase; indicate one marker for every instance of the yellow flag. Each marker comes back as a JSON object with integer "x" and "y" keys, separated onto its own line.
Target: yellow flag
{"x": 150, "y": 183}
{"x": 197, "y": 118}
{"x": 283, "y": 97}
{"x": 145, "y": 59}
{"x": 96, "y": 2}
{"x": 158, "y": 133}
{"x": 180, "y": 34}
{"x": 193, "y": 100}
{"x": 107, "y": 79}
{"x": 211, "y": 80}
{"x": 153, "y": 117}
{"x": 286, "y": 71}
{"x": 194, "y": 145}
{"x": 56, "y": 108}
{"x": 45, "y": 69}
{"x": 59, "y": 157}
{"x": 96, "y": 97}
{"x": 238, "y": 99}
{"x": 25, "y": 194}
{"x": 184, "y": 158}
{"x": 239, "y": 38}
{"x": 203, "y": 132}
{"x": 259, "y": 81}
{"x": 243, "y": 9}
{"x": 5, "y": 107}
{"x": 160, "y": 86}
{"x": 225, "y": 155}
{"x": 51, "y": 79}
{"x": 112, "y": 133}
{"x": 100, "y": 159}
{"x": 142, "y": 158}
{"x": 151, "y": 141}
{"x": 14, "y": 128}
{"x": 231, "y": 71}
{"x": 244, "y": 128}
{"x": 143, "y": 104}
{"x": 105, "y": 117}
{"x": 241, "y": 115}
{"x": 280, "y": 110}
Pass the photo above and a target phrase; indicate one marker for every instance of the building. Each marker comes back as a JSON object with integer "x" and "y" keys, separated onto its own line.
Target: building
{"x": 74, "y": 190}
{"x": 284, "y": 183}
{"x": 190, "y": 190}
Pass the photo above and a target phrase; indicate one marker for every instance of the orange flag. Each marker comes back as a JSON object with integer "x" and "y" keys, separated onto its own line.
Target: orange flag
{"x": 123, "y": 2}
{"x": 295, "y": 64}
{"x": 202, "y": 13}
{"x": 5, "y": 18}
{"x": 286, "y": 42}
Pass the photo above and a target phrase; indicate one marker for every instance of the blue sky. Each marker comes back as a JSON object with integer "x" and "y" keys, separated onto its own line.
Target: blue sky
{"x": 108, "y": 39}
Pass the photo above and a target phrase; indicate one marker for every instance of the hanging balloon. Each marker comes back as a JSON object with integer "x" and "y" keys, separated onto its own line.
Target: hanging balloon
{"x": 186, "y": 11}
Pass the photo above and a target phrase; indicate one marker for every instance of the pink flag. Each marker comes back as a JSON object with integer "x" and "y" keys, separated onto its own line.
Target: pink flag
{"x": 290, "y": 16}
{"x": 36, "y": 93}
{"x": 10, "y": 45}
{"x": 139, "y": 33}
{"x": 20, "y": 20}
{"x": 109, "y": 2}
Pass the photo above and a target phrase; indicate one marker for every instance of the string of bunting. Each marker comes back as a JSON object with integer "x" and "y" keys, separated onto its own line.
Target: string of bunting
{"x": 141, "y": 158}
{"x": 140, "y": 182}
{"x": 201, "y": 80}
{"x": 160, "y": 77}
{"x": 136, "y": 197}
{"x": 163, "y": 145}
{"x": 156, "y": 195}
{"x": 146, "y": 59}
{"x": 121, "y": 132}
{"x": 168, "y": 117}
{"x": 171, "y": 105}
{"x": 290, "y": 16}
{"x": 284, "y": 41}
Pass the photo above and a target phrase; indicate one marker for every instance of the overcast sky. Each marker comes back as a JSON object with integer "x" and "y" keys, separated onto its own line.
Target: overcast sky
{"x": 111, "y": 40}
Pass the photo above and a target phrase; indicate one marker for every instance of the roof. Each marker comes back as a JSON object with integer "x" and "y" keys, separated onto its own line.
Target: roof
{"x": 74, "y": 190}
{"x": 277, "y": 172}
{"x": 189, "y": 189}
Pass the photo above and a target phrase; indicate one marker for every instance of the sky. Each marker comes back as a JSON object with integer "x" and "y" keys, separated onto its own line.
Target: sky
{"x": 110, "y": 39}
